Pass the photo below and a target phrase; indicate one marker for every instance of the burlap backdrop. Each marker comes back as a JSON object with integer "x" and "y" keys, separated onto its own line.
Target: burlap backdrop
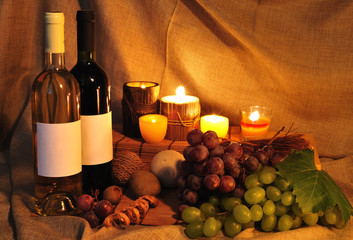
{"x": 294, "y": 56}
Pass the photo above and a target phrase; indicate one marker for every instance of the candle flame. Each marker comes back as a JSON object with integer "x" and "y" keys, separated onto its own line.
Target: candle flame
{"x": 143, "y": 86}
{"x": 254, "y": 116}
{"x": 153, "y": 120}
{"x": 213, "y": 118}
{"x": 180, "y": 91}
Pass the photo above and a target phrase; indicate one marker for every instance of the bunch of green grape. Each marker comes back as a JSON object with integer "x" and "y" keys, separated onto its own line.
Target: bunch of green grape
{"x": 268, "y": 204}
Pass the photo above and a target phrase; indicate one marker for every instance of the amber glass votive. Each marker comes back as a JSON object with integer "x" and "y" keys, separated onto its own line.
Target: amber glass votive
{"x": 254, "y": 122}
{"x": 139, "y": 98}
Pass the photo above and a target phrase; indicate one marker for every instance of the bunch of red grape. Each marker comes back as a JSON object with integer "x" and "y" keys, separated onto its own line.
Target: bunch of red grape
{"x": 95, "y": 211}
{"x": 212, "y": 166}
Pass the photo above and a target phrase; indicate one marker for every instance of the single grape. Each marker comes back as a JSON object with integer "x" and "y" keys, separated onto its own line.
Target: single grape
{"x": 231, "y": 226}
{"x": 332, "y": 215}
{"x": 287, "y": 198}
{"x": 242, "y": 213}
{"x": 181, "y": 181}
{"x": 229, "y": 161}
{"x": 214, "y": 200}
{"x": 181, "y": 209}
{"x": 285, "y": 223}
{"x": 186, "y": 153}
{"x": 322, "y": 220}
{"x": 277, "y": 157}
{"x": 268, "y": 222}
{"x": 210, "y": 139}
{"x": 211, "y": 227}
{"x": 208, "y": 209}
{"x": 194, "y": 137}
{"x": 297, "y": 210}
{"x": 267, "y": 175}
{"x": 235, "y": 149}
{"x": 85, "y": 202}
{"x": 340, "y": 221}
{"x": 185, "y": 168}
{"x": 321, "y": 213}
{"x": 227, "y": 184}
{"x": 269, "y": 150}
{"x": 262, "y": 156}
{"x": 235, "y": 172}
{"x": 199, "y": 153}
{"x": 194, "y": 229}
{"x": 218, "y": 151}
{"x": 254, "y": 195}
{"x": 273, "y": 193}
{"x": 211, "y": 182}
{"x": 250, "y": 224}
{"x": 190, "y": 196}
{"x": 91, "y": 217}
{"x": 281, "y": 209}
{"x": 251, "y": 163}
{"x": 228, "y": 203}
{"x": 238, "y": 191}
{"x": 103, "y": 209}
{"x": 297, "y": 222}
{"x": 282, "y": 184}
{"x": 310, "y": 219}
{"x": 194, "y": 182}
{"x": 200, "y": 169}
{"x": 256, "y": 212}
{"x": 191, "y": 214}
{"x": 215, "y": 165}
{"x": 113, "y": 194}
{"x": 269, "y": 207}
{"x": 252, "y": 181}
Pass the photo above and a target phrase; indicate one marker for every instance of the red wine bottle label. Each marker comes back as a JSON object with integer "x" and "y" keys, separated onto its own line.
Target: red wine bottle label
{"x": 97, "y": 139}
{"x": 59, "y": 149}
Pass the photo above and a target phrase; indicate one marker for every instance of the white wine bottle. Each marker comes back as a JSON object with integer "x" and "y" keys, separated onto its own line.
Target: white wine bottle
{"x": 96, "y": 115}
{"x": 56, "y": 126}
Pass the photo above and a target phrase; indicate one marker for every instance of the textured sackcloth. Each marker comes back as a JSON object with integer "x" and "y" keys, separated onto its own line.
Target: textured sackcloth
{"x": 293, "y": 56}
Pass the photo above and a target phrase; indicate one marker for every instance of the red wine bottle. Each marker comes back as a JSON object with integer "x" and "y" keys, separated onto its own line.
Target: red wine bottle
{"x": 56, "y": 125}
{"x": 96, "y": 115}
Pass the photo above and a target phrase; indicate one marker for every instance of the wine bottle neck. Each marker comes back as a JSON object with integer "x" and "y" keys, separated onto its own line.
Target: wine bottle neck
{"x": 86, "y": 56}
{"x": 54, "y": 61}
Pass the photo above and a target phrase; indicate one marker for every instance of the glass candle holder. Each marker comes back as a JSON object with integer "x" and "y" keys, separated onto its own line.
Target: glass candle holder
{"x": 139, "y": 98}
{"x": 254, "y": 122}
{"x": 153, "y": 127}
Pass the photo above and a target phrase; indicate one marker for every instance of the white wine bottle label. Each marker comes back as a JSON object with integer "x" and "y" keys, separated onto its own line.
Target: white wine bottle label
{"x": 59, "y": 149}
{"x": 97, "y": 139}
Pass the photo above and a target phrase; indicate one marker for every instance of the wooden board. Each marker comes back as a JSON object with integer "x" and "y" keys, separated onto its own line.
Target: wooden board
{"x": 165, "y": 213}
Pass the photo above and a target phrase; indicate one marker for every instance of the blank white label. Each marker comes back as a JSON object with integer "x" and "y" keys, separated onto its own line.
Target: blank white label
{"x": 97, "y": 139}
{"x": 59, "y": 149}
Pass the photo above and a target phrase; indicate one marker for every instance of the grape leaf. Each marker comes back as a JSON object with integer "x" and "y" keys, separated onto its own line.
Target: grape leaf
{"x": 314, "y": 189}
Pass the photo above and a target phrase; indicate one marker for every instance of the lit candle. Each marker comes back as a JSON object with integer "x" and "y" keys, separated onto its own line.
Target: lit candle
{"x": 216, "y": 123}
{"x": 153, "y": 127}
{"x": 183, "y": 112}
{"x": 255, "y": 122}
{"x": 139, "y": 98}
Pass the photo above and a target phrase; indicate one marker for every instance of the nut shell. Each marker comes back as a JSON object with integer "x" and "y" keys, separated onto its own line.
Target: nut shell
{"x": 143, "y": 183}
